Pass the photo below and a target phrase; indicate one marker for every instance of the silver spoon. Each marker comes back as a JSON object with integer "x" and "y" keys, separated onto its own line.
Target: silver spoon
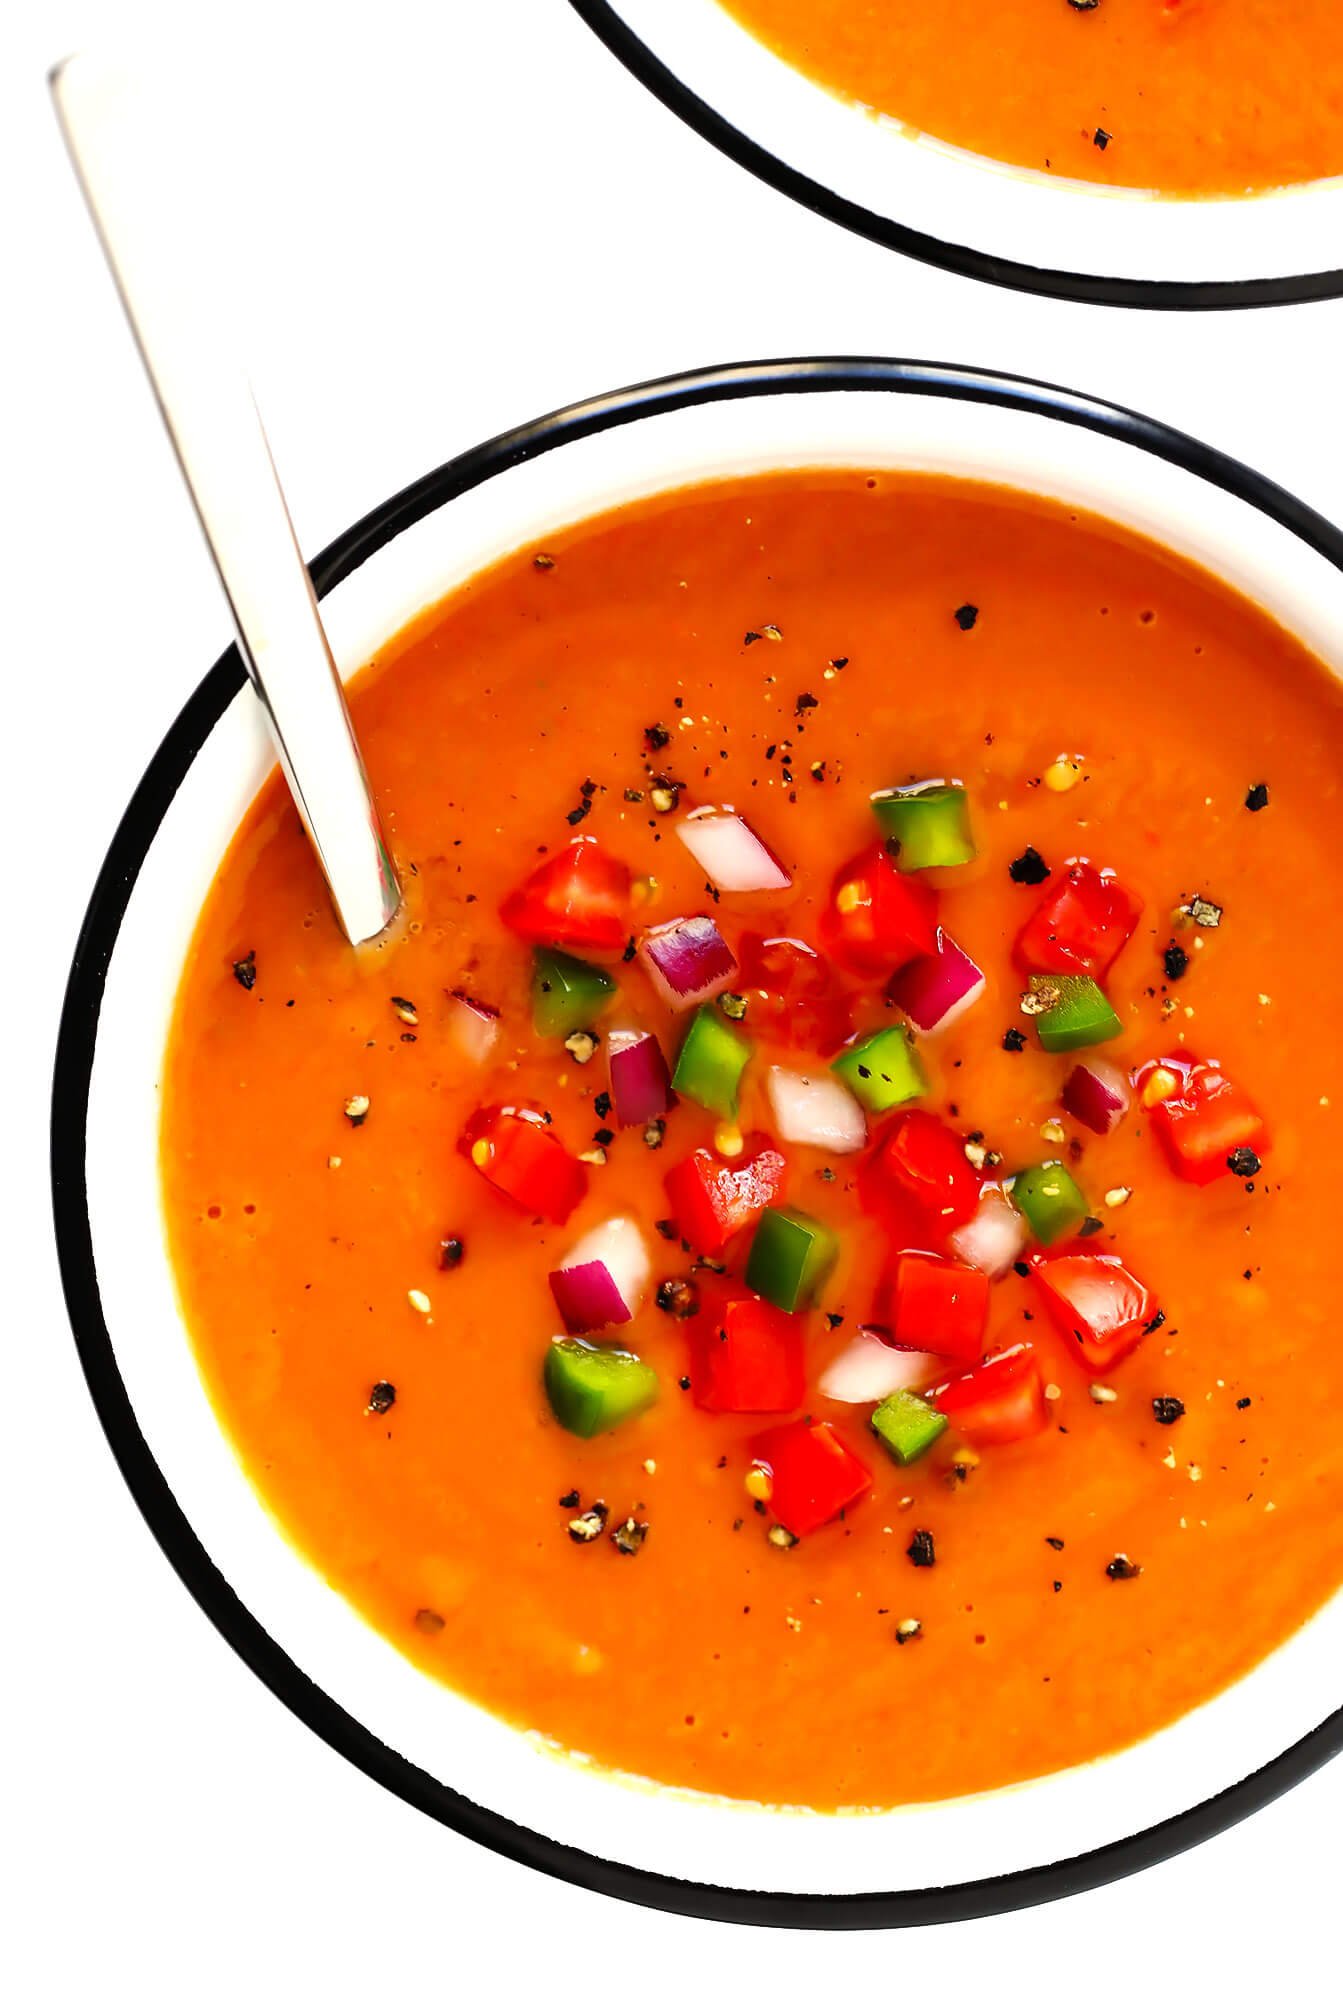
{"x": 221, "y": 447}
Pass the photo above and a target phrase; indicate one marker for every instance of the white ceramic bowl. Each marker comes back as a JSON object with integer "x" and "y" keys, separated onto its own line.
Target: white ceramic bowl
{"x": 1015, "y": 226}
{"x": 449, "y": 1757}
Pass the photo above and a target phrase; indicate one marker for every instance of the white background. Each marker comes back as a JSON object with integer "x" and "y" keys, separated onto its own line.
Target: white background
{"x": 452, "y": 216}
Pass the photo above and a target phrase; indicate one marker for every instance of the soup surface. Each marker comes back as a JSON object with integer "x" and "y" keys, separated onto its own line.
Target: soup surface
{"x": 1132, "y": 1508}
{"x": 1191, "y": 97}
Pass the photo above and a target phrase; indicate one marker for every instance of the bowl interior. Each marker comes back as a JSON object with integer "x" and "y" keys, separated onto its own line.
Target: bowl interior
{"x": 668, "y": 1833}
{"x": 1278, "y": 245}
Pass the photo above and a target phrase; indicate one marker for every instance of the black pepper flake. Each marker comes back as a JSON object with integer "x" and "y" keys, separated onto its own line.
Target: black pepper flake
{"x": 833, "y": 1321}
{"x": 1014, "y": 1041}
{"x": 1055, "y": 1544}
{"x": 655, "y": 1132}
{"x": 656, "y": 736}
{"x": 751, "y": 636}
{"x": 601, "y": 1104}
{"x": 589, "y": 1524}
{"x": 1175, "y": 960}
{"x": 1021, "y": 1269}
{"x": 1244, "y": 1161}
{"x": 570, "y": 1500}
{"x": 684, "y": 1384}
{"x": 1167, "y": 1410}
{"x": 244, "y": 971}
{"x": 428, "y": 1621}
{"x": 921, "y": 1551}
{"x": 1241, "y": 1404}
{"x": 1089, "y": 1227}
{"x": 451, "y": 1252}
{"x": 1257, "y": 797}
{"x": 805, "y": 701}
{"x": 679, "y": 1298}
{"x": 628, "y": 1538}
{"x": 627, "y": 955}
{"x": 1029, "y": 869}
{"x": 1121, "y": 1567}
{"x": 1156, "y": 1322}
{"x": 1101, "y": 138}
{"x": 578, "y": 814}
{"x": 967, "y": 615}
{"x": 665, "y": 1228}
{"x": 383, "y": 1397}
{"x": 1084, "y": 6}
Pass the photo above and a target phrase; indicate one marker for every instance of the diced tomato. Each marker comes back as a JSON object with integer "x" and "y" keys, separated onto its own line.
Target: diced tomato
{"x": 1001, "y": 1400}
{"x": 747, "y": 1357}
{"x": 580, "y": 897}
{"x": 1084, "y": 920}
{"x": 518, "y": 1154}
{"x": 934, "y": 1304}
{"x": 1204, "y": 1119}
{"x": 815, "y": 1476}
{"x": 918, "y": 1181}
{"x": 793, "y": 993}
{"x": 1098, "y": 1307}
{"x": 878, "y": 919}
{"x": 712, "y": 1198}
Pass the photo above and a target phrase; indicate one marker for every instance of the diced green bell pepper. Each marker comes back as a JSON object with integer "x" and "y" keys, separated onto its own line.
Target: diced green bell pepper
{"x": 930, "y": 822}
{"x": 592, "y": 1390}
{"x": 1049, "y": 1200}
{"x": 907, "y": 1426}
{"x": 883, "y": 1070}
{"x": 566, "y": 993}
{"x": 791, "y": 1258}
{"x": 711, "y": 1062}
{"x": 1082, "y": 1017}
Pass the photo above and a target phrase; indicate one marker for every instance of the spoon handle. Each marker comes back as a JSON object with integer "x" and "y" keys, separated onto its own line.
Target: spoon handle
{"x": 149, "y": 229}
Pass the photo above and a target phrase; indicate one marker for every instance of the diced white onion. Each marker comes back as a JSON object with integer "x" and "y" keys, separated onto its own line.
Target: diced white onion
{"x": 994, "y": 1237}
{"x": 816, "y": 1111}
{"x": 736, "y": 860}
{"x": 869, "y": 1369}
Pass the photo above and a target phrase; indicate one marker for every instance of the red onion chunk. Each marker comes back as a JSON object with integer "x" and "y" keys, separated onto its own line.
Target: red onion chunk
{"x": 736, "y": 860}
{"x": 1098, "y": 1095}
{"x": 605, "y": 1277}
{"x": 813, "y": 1109}
{"x": 995, "y": 1236}
{"x": 637, "y": 1073}
{"x": 473, "y": 1027}
{"x": 936, "y": 990}
{"x": 869, "y": 1369}
{"x": 687, "y": 961}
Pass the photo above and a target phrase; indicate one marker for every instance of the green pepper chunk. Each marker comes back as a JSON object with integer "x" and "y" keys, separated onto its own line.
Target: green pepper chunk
{"x": 907, "y": 1426}
{"x": 1049, "y": 1200}
{"x": 791, "y": 1258}
{"x": 1081, "y": 1017}
{"x": 566, "y": 993}
{"x": 930, "y": 823}
{"x": 883, "y": 1070}
{"x": 711, "y": 1062}
{"x": 592, "y": 1390}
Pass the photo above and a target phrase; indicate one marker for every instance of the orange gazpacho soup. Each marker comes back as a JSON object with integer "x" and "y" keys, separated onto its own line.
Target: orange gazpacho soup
{"x": 1189, "y": 97}
{"x": 803, "y": 1267}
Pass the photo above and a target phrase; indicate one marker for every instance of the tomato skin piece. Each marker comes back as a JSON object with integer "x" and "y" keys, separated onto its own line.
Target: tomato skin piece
{"x": 918, "y": 1181}
{"x": 794, "y": 992}
{"x": 748, "y": 1357}
{"x": 523, "y": 1159}
{"x": 578, "y": 897}
{"x": 1001, "y": 1400}
{"x": 1097, "y": 1305}
{"x": 877, "y": 918}
{"x": 934, "y": 1304}
{"x": 712, "y": 1199}
{"x": 815, "y": 1476}
{"x": 1203, "y": 1122}
{"x": 1083, "y": 922}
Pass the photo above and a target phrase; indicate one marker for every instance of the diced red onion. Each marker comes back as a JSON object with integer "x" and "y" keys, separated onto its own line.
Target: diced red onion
{"x": 995, "y": 1236}
{"x": 637, "y": 1069}
{"x": 870, "y": 1369}
{"x": 687, "y": 960}
{"x": 736, "y": 860}
{"x": 1098, "y": 1095}
{"x": 604, "y": 1278}
{"x": 816, "y": 1110}
{"x": 936, "y": 990}
{"x": 473, "y": 1027}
